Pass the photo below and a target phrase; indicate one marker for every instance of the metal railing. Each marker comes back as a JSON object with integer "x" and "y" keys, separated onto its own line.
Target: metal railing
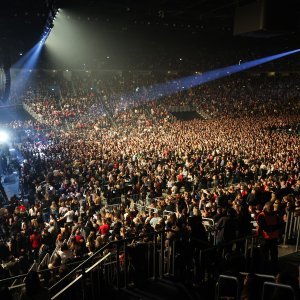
{"x": 208, "y": 223}
{"x": 292, "y": 229}
{"x": 208, "y": 256}
{"x": 53, "y": 254}
{"x": 278, "y": 287}
{"x": 224, "y": 290}
{"x": 44, "y": 262}
{"x": 116, "y": 265}
{"x": 220, "y": 283}
{"x": 119, "y": 263}
{"x": 298, "y": 237}
{"x": 16, "y": 283}
{"x": 269, "y": 278}
{"x": 80, "y": 277}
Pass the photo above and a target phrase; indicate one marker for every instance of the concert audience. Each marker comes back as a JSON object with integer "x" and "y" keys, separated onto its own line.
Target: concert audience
{"x": 101, "y": 167}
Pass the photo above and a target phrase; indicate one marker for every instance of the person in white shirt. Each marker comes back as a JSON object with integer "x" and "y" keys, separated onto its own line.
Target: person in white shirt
{"x": 69, "y": 215}
{"x": 33, "y": 211}
{"x": 62, "y": 209}
{"x": 65, "y": 253}
{"x": 155, "y": 219}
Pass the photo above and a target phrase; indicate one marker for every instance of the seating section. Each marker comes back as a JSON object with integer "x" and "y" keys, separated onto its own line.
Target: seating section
{"x": 103, "y": 161}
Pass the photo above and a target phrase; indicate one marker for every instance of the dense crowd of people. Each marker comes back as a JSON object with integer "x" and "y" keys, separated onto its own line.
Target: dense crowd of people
{"x": 99, "y": 156}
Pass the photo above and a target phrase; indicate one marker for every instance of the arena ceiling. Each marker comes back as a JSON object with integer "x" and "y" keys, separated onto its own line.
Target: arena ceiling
{"x": 22, "y": 21}
{"x": 21, "y": 24}
{"x": 213, "y": 15}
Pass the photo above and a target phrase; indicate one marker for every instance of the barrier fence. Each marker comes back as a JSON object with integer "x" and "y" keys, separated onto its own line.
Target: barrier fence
{"x": 230, "y": 287}
{"x": 16, "y": 284}
{"x": 120, "y": 263}
{"x": 224, "y": 280}
{"x": 161, "y": 257}
{"x": 116, "y": 265}
{"x": 291, "y": 226}
{"x": 285, "y": 291}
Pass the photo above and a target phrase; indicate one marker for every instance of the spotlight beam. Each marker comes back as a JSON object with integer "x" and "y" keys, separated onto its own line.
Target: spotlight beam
{"x": 171, "y": 87}
{"x": 25, "y": 64}
{"x": 28, "y": 60}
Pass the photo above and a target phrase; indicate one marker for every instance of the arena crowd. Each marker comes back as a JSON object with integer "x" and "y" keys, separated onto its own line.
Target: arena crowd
{"x": 97, "y": 158}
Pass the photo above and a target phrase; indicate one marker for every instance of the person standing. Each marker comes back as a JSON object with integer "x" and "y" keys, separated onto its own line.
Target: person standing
{"x": 269, "y": 229}
{"x": 36, "y": 242}
{"x": 227, "y": 229}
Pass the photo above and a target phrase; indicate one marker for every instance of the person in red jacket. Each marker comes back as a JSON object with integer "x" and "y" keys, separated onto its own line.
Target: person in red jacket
{"x": 104, "y": 228}
{"x": 269, "y": 228}
{"x": 36, "y": 242}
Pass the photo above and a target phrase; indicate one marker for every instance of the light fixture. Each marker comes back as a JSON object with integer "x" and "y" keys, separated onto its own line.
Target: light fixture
{"x": 4, "y": 137}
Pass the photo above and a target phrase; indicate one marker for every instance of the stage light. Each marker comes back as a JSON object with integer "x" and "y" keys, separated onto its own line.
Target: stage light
{"x": 4, "y": 137}
{"x": 45, "y": 35}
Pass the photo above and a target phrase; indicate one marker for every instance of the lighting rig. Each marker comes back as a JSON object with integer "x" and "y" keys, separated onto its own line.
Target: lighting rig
{"x": 49, "y": 24}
